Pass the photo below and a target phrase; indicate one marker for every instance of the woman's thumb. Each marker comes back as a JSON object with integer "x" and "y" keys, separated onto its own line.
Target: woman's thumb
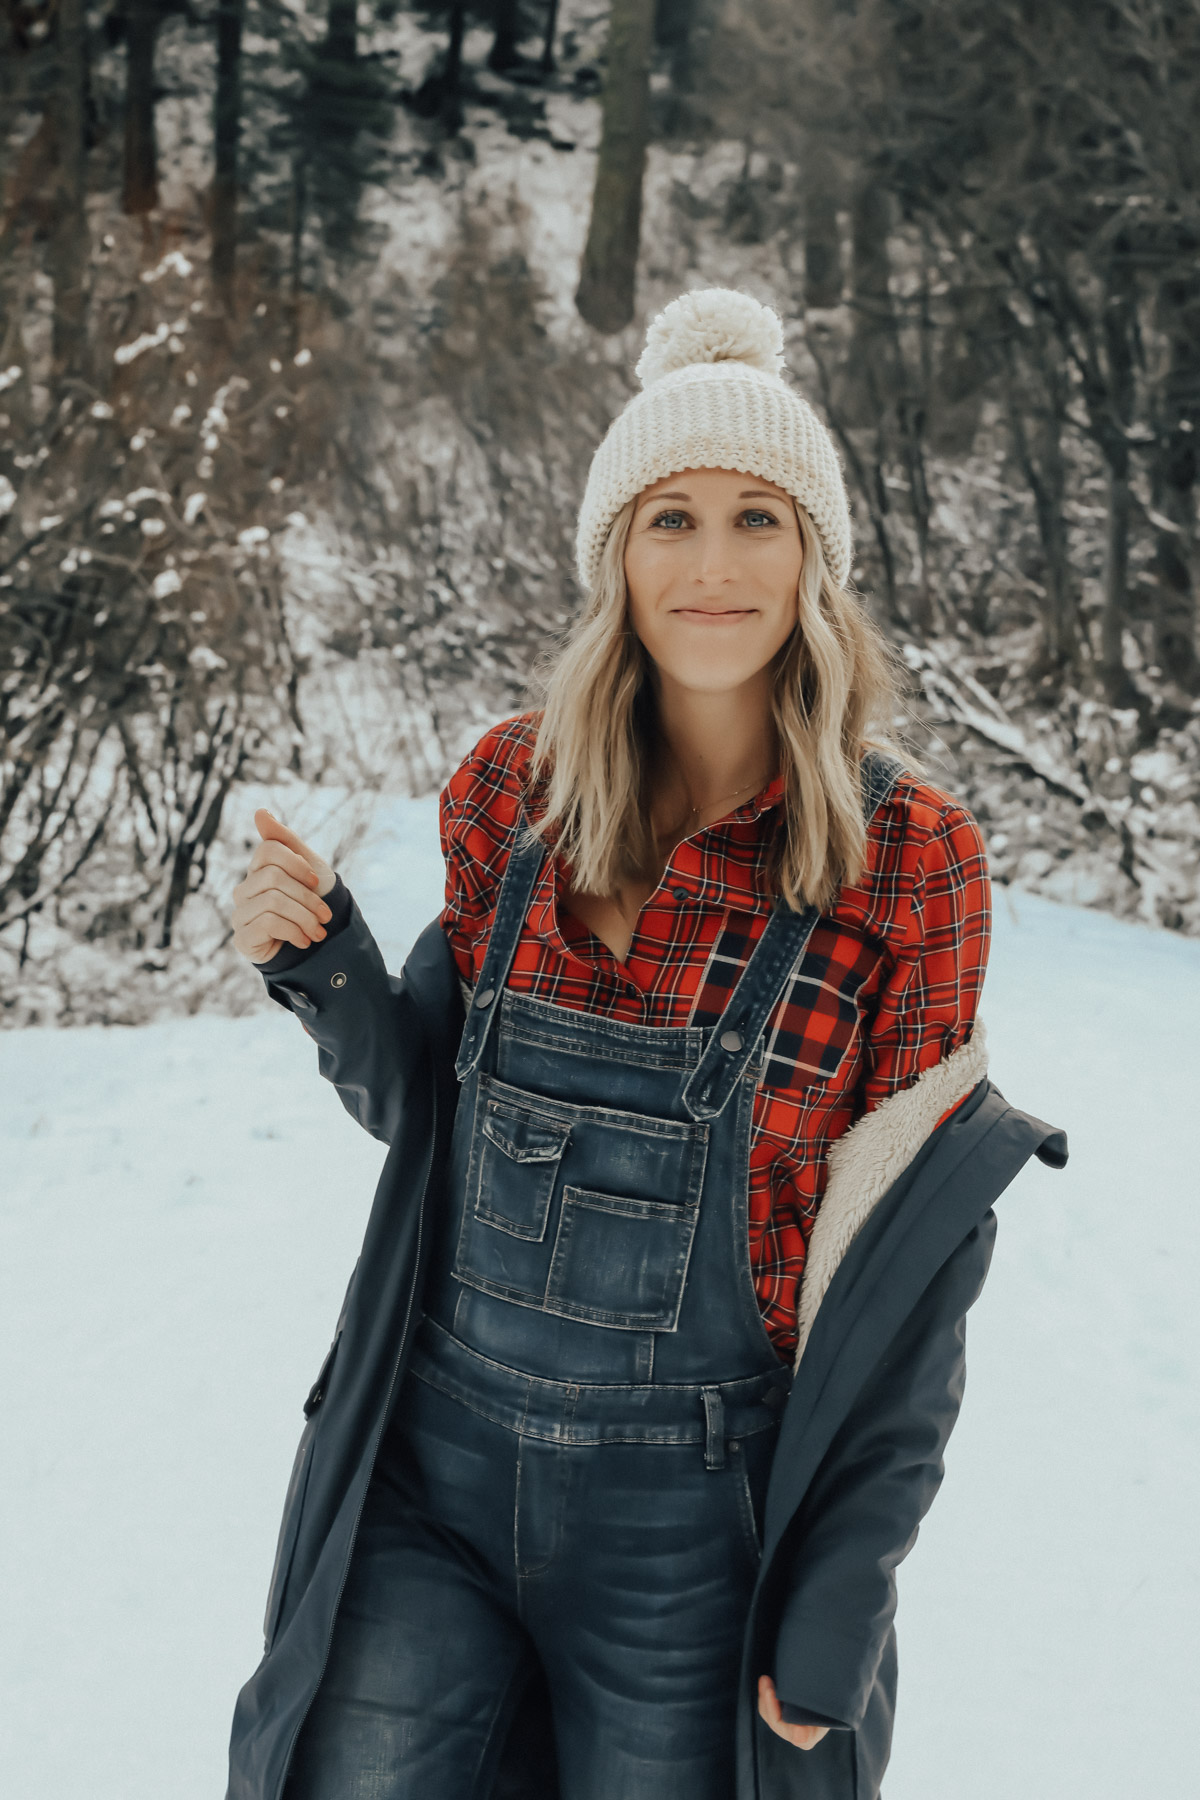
{"x": 271, "y": 827}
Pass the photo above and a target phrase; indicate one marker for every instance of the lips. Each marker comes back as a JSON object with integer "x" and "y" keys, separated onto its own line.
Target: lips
{"x": 712, "y": 612}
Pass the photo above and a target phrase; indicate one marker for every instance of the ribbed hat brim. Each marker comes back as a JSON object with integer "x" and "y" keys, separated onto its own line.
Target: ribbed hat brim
{"x": 723, "y": 415}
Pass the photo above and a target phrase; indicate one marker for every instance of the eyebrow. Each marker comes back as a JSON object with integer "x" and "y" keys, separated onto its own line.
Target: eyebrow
{"x": 746, "y": 494}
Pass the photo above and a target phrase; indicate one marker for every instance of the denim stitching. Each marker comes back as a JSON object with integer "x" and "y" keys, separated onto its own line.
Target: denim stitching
{"x": 682, "y": 1131}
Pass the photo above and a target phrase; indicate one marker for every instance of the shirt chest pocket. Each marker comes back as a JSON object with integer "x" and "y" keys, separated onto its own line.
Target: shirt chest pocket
{"x": 815, "y": 1033}
{"x": 517, "y": 1160}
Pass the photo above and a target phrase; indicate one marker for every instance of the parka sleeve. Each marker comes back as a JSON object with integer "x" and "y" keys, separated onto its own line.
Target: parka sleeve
{"x": 362, "y": 1020}
{"x": 862, "y": 1511}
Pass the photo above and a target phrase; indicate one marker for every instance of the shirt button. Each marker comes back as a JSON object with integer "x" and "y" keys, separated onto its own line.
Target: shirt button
{"x": 681, "y": 893}
{"x": 338, "y": 980}
{"x": 731, "y": 1041}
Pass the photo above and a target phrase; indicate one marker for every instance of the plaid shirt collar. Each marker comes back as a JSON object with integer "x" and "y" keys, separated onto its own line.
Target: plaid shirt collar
{"x": 699, "y": 865}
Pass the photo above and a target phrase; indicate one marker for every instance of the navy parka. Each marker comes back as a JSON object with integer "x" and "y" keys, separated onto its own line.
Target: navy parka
{"x": 874, "y": 1399}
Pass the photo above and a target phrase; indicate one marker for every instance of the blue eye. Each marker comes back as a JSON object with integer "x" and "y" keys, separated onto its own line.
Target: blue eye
{"x": 663, "y": 519}
{"x": 754, "y": 514}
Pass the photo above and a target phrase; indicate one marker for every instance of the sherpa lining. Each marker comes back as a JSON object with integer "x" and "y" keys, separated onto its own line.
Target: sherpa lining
{"x": 867, "y": 1159}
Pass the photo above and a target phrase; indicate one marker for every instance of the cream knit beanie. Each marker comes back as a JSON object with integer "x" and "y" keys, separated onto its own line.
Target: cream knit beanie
{"x": 713, "y": 399}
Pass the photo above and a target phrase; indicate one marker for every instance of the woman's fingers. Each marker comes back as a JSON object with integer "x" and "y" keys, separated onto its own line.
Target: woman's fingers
{"x": 281, "y": 900}
{"x": 274, "y": 831}
{"x": 276, "y": 905}
{"x": 271, "y": 880}
{"x": 804, "y": 1737}
{"x": 259, "y": 938}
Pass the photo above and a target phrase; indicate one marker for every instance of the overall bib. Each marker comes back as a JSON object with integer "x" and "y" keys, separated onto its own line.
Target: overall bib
{"x": 576, "y": 1465}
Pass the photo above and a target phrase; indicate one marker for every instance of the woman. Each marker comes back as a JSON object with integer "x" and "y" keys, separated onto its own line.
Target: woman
{"x": 720, "y": 963}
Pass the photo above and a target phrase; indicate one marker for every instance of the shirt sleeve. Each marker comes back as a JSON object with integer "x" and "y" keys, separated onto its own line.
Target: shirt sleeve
{"x": 928, "y": 1002}
{"x": 477, "y": 810}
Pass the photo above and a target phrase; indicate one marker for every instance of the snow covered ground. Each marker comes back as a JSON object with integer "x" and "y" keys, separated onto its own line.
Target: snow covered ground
{"x": 182, "y": 1204}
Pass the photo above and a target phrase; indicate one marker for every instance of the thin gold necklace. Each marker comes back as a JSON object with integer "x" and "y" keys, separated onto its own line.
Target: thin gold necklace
{"x": 722, "y": 798}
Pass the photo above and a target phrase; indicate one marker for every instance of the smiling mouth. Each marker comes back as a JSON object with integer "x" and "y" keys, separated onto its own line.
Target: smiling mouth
{"x": 709, "y": 612}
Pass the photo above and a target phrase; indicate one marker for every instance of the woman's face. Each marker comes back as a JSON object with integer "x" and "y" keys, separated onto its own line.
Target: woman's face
{"x": 713, "y": 571}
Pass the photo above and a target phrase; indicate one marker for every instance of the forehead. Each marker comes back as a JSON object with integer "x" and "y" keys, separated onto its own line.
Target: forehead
{"x": 713, "y": 484}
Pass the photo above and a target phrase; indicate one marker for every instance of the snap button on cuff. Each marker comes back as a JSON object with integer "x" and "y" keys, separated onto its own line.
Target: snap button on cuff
{"x": 486, "y": 998}
{"x": 337, "y": 980}
{"x": 731, "y": 1041}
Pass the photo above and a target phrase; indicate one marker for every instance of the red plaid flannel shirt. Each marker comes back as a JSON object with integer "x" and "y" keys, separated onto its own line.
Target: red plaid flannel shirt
{"x": 888, "y": 986}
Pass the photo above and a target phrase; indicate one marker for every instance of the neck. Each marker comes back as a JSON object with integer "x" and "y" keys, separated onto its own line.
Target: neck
{"x": 716, "y": 745}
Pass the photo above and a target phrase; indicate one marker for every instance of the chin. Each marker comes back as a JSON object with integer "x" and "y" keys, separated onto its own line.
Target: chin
{"x": 713, "y": 674}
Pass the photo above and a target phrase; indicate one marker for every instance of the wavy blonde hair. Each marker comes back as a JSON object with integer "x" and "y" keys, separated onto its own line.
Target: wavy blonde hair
{"x": 836, "y": 691}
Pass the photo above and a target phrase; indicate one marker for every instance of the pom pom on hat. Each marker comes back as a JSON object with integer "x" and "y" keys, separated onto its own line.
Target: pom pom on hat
{"x": 712, "y": 325}
{"x": 713, "y": 397}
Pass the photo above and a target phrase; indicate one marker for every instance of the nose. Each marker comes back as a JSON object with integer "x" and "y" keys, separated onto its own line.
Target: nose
{"x": 716, "y": 559}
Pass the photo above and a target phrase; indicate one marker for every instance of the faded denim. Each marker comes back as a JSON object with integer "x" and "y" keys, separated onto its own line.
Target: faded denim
{"x": 573, "y": 1478}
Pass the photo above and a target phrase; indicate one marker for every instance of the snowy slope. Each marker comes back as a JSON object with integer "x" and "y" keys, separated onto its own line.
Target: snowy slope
{"x": 182, "y": 1204}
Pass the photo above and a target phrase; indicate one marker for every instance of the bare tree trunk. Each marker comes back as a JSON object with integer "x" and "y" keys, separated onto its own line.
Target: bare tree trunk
{"x": 506, "y": 19}
{"x": 1040, "y": 455}
{"x": 227, "y": 118}
{"x": 684, "y": 28}
{"x": 140, "y": 190}
{"x": 452, "y": 74}
{"x": 548, "y": 64}
{"x": 1117, "y": 684}
{"x": 1118, "y": 326}
{"x": 869, "y": 384}
{"x": 299, "y": 210}
{"x": 341, "y": 32}
{"x": 822, "y": 242}
{"x": 607, "y": 281}
{"x": 68, "y": 249}
{"x": 1175, "y": 473}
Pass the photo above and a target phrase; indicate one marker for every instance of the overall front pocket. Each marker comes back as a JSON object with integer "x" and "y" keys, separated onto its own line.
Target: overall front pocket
{"x": 619, "y": 1262}
{"x": 584, "y": 1211}
{"x": 516, "y": 1162}
{"x": 515, "y": 1158}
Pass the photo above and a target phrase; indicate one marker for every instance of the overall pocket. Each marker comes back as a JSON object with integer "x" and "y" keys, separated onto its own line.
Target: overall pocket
{"x": 510, "y": 1184}
{"x": 619, "y": 1262}
{"x": 584, "y": 1211}
{"x": 516, "y": 1163}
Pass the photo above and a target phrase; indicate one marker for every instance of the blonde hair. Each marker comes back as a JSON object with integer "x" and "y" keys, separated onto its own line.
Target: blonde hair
{"x": 836, "y": 690}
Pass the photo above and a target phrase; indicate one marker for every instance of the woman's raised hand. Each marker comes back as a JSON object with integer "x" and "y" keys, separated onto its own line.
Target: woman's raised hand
{"x": 281, "y": 900}
{"x": 805, "y": 1737}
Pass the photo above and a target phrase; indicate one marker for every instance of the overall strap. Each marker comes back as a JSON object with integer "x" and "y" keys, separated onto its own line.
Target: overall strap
{"x": 516, "y": 891}
{"x": 735, "y": 1036}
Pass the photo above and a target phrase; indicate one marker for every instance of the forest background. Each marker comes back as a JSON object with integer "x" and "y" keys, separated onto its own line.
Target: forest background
{"x": 312, "y": 314}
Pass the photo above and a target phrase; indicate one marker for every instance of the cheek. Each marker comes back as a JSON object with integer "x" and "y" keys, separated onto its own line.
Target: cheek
{"x": 643, "y": 586}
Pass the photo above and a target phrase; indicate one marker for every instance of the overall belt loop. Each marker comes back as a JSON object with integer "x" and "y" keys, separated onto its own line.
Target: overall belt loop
{"x": 714, "y": 1428}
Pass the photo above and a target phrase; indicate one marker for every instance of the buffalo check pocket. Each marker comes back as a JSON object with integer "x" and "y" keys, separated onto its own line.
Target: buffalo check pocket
{"x": 817, "y": 1021}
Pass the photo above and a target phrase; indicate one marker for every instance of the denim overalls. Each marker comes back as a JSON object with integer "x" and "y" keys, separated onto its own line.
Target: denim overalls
{"x": 577, "y": 1462}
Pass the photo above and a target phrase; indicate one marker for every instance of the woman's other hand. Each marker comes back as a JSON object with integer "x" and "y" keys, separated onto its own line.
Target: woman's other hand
{"x": 805, "y": 1737}
{"x": 281, "y": 900}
